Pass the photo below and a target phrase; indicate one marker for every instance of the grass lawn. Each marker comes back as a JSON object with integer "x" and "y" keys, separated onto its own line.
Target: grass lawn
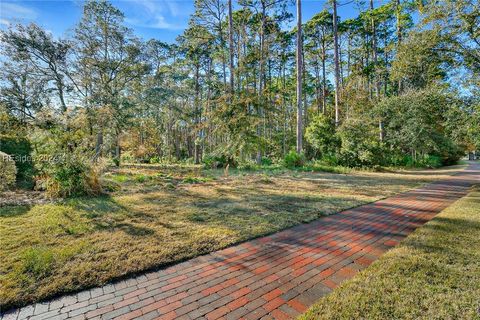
{"x": 433, "y": 274}
{"x": 158, "y": 216}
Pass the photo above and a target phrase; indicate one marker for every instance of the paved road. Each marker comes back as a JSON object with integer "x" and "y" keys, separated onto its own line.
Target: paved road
{"x": 274, "y": 277}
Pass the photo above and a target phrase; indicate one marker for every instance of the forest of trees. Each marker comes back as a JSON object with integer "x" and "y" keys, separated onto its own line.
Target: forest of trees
{"x": 247, "y": 82}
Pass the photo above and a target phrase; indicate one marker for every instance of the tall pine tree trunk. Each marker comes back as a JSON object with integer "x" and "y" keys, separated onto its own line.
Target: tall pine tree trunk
{"x": 318, "y": 86}
{"x": 337, "y": 64}
{"x": 398, "y": 10}
{"x": 230, "y": 46}
{"x": 261, "y": 76}
{"x": 375, "y": 69}
{"x": 299, "y": 78}
{"x": 196, "y": 153}
{"x": 324, "y": 77}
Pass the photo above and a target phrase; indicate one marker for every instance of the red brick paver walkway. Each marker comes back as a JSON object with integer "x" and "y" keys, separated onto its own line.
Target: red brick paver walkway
{"x": 274, "y": 277}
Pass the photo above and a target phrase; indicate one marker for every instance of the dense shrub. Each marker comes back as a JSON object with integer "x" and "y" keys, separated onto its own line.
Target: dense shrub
{"x": 73, "y": 175}
{"x": 419, "y": 161}
{"x": 473, "y": 131}
{"x": 294, "y": 159}
{"x": 400, "y": 160}
{"x": 20, "y": 150}
{"x": 213, "y": 162}
{"x": 330, "y": 160}
{"x": 266, "y": 161}
{"x": 65, "y": 168}
{"x": 449, "y": 152}
{"x": 321, "y": 136}
{"x": 417, "y": 122}
{"x": 428, "y": 161}
{"x": 8, "y": 171}
{"x": 219, "y": 161}
{"x": 247, "y": 165}
{"x": 360, "y": 145}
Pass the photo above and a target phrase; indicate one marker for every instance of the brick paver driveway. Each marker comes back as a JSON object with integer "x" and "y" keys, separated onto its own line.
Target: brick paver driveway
{"x": 274, "y": 277}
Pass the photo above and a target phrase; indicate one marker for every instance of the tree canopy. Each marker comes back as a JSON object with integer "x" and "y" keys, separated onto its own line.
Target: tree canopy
{"x": 398, "y": 80}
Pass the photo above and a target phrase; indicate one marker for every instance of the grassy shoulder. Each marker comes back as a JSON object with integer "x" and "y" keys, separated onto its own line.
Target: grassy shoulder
{"x": 154, "y": 217}
{"x": 432, "y": 274}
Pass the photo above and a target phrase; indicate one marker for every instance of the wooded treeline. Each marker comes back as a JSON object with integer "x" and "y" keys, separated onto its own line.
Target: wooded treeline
{"x": 402, "y": 81}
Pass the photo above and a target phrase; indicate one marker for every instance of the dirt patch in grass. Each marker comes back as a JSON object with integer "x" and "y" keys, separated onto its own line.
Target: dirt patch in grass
{"x": 154, "y": 217}
{"x": 433, "y": 274}
{"x": 23, "y": 198}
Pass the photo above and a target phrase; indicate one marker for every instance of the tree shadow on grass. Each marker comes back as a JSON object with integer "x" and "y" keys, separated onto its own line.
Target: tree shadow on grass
{"x": 443, "y": 228}
{"x": 365, "y": 184}
{"x": 265, "y": 213}
{"x": 448, "y": 170}
{"x": 13, "y": 211}
{"x": 106, "y": 214}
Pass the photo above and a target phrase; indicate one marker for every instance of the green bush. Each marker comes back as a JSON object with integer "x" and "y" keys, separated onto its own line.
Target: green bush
{"x": 329, "y": 160}
{"x": 73, "y": 175}
{"x": 421, "y": 161}
{"x": 248, "y": 165}
{"x": 116, "y": 161}
{"x": 294, "y": 159}
{"x": 399, "y": 160}
{"x": 429, "y": 161}
{"x": 218, "y": 161}
{"x": 8, "y": 171}
{"x": 20, "y": 149}
{"x": 422, "y": 121}
{"x": 140, "y": 178}
{"x": 449, "y": 152}
{"x": 360, "y": 145}
{"x": 321, "y": 135}
{"x": 155, "y": 159}
{"x": 267, "y": 161}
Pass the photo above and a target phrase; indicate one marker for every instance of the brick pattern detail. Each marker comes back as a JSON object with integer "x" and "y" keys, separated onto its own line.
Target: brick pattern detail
{"x": 274, "y": 277}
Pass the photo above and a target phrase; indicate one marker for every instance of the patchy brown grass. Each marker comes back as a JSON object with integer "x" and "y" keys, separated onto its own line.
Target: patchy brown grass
{"x": 157, "y": 217}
